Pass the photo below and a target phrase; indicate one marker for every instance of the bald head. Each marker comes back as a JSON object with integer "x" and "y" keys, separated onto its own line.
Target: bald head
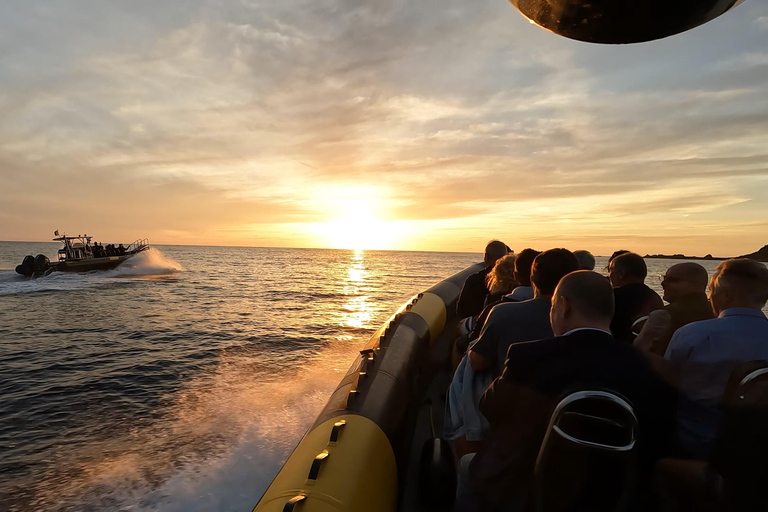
{"x": 684, "y": 279}
{"x": 582, "y": 299}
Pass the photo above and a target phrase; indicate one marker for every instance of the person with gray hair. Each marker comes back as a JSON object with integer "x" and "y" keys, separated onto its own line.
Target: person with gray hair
{"x": 586, "y": 260}
{"x": 704, "y": 354}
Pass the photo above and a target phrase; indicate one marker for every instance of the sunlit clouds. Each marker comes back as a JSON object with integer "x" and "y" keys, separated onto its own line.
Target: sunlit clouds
{"x": 380, "y": 125}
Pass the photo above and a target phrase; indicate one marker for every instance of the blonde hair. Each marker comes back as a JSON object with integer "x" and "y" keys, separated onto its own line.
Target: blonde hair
{"x": 502, "y": 278}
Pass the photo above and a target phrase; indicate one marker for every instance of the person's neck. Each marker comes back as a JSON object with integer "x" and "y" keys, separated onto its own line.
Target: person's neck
{"x": 587, "y": 324}
{"x": 739, "y": 304}
{"x": 539, "y": 295}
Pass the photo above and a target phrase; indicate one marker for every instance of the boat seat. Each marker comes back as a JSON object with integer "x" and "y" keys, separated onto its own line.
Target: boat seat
{"x": 586, "y": 460}
{"x": 734, "y": 476}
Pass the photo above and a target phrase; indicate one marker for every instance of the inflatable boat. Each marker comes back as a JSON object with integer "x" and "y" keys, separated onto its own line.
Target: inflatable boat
{"x": 375, "y": 446}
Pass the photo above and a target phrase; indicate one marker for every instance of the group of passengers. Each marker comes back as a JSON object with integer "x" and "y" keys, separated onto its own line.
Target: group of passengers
{"x": 102, "y": 251}
{"x": 542, "y": 324}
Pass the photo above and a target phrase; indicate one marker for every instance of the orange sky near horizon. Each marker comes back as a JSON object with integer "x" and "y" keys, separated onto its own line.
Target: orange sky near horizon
{"x": 377, "y": 126}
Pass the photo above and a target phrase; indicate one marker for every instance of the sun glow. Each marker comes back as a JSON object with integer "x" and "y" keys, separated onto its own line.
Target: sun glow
{"x": 355, "y": 220}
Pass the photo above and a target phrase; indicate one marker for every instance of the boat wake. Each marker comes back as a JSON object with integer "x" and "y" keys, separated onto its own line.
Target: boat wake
{"x": 151, "y": 262}
{"x": 217, "y": 446}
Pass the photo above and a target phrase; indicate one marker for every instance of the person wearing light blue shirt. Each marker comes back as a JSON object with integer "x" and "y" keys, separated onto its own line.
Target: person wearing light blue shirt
{"x": 704, "y": 354}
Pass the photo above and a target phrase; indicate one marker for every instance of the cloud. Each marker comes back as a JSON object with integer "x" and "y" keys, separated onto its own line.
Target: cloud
{"x": 464, "y": 112}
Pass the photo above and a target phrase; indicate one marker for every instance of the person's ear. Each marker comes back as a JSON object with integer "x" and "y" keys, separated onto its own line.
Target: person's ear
{"x": 565, "y": 307}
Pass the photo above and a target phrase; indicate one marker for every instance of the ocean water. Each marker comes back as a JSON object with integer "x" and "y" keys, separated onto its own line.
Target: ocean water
{"x": 183, "y": 379}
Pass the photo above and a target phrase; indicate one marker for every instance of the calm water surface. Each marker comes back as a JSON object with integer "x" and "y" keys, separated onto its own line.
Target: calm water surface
{"x": 183, "y": 381}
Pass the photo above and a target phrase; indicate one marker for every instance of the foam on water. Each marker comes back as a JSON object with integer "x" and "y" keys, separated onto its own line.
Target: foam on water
{"x": 217, "y": 447}
{"x": 149, "y": 262}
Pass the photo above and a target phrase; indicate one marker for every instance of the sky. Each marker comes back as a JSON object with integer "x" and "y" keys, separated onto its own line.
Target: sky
{"x": 386, "y": 124}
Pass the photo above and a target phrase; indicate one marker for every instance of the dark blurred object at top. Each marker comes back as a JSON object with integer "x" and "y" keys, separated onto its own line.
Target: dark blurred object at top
{"x": 621, "y": 21}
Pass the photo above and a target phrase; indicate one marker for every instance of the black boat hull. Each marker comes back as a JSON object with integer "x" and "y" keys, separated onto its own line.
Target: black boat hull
{"x": 86, "y": 265}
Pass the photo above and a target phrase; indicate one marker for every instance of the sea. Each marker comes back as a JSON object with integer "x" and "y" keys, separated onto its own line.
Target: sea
{"x": 182, "y": 379}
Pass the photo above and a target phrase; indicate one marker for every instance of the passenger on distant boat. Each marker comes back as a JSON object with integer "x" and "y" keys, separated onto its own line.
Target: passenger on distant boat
{"x": 523, "y": 264}
{"x": 634, "y": 299}
{"x": 685, "y": 286}
{"x": 472, "y": 296}
{"x": 704, "y": 354}
{"x": 537, "y": 375}
{"x": 586, "y": 260}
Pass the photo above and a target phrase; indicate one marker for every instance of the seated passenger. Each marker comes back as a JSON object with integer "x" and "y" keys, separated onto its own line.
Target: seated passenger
{"x": 685, "y": 286}
{"x": 523, "y": 263}
{"x": 472, "y": 296}
{"x": 586, "y": 260}
{"x": 121, "y": 250}
{"x": 705, "y": 353}
{"x": 514, "y": 322}
{"x": 538, "y": 374}
{"x": 507, "y": 323}
{"x": 500, "y": 281}
{"x": 633, "y": 298}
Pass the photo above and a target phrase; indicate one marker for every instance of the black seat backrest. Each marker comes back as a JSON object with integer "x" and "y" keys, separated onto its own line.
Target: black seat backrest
{"x": 587, "y": 458}
{"x": 740, "y": 452}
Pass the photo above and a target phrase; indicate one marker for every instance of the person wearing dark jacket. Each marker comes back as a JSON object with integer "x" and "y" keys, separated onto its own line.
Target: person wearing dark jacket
{"x": 537, "y": 374}
{"x": 634, "y": 300}
{"x": 684, "y": 287}
{"x": 472, "y": 297}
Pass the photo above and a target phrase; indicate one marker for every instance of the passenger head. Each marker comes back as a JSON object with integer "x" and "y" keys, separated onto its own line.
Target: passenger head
{"x": 502, "y": 278}
{"x": 627, "y": 268}
{"x": 618, "y": 253}
{"x": 523, "y": 265}
{"x": 586, "y": 260}
{"x": 739, "y": 283}
{"x": 549, "y": 267}
{"x": 582, "y": 299}
{"x": 684, "y": 279}
{"x": 493, "y": 251}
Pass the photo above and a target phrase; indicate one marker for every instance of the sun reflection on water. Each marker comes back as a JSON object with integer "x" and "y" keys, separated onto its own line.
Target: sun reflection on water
{"x": 356, "y": 310}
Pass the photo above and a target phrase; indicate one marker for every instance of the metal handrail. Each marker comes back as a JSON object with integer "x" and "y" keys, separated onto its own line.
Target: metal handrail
{"x": 138, "y": 244}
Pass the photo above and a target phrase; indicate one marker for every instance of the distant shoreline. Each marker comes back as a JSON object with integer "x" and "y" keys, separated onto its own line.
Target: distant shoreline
{"x": 683, "y": 257}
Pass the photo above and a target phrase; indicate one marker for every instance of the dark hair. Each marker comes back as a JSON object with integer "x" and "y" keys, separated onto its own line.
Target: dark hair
{"x": 550, "y": 266}
{"x": 495, "y": 250}
{"x": 618, "y": 253}
{"x": 589, "y": 293}
{"x": 631, "y": 264}
{"x": 523, "y": 265}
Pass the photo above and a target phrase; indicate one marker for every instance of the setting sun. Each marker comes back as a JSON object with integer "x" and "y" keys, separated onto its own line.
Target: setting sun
{"x": 355, "y": 219}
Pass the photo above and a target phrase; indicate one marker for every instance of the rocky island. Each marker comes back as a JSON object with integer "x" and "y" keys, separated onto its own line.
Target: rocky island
{"x": 761, "y": 255}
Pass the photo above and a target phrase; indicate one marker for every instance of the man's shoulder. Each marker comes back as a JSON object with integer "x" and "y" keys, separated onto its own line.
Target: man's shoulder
{"x": 691, "y": 334}
{"x": 519, "y": 351}
{"x": 523, "y": 305}
{"x": 702, "y": 327}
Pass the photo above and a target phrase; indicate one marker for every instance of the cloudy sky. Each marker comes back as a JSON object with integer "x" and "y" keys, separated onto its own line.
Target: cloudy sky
{"x": 429, "y": 125}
